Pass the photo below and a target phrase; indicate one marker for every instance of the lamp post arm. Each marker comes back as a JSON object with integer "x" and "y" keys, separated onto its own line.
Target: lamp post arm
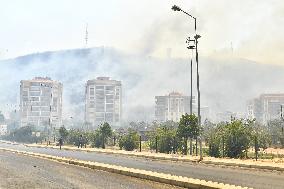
{"x": 195, "y": 25}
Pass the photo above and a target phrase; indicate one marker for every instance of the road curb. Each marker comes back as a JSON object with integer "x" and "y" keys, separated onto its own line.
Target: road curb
{"x": 142, "y": 174}
{"x": 229, "y": 164}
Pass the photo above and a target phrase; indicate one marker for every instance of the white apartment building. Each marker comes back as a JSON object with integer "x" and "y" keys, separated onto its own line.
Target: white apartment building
{"x": 172, "y": 106}
{"x": 266, "y": 107}
{"x": 41, "y": 103}
{"x": 103, "y": 101}
{"x": 3, "y": 130}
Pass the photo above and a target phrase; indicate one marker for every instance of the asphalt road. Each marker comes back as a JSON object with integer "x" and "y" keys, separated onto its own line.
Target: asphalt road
{"x": 238, "y": 176}
{"x": 19, "y": 171}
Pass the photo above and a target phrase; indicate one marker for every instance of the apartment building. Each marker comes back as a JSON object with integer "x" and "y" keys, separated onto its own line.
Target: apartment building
{"x": 3, "y": 130}
{"x": 41, "y": 103}
{"x": 172, "y": 106}
{"x": 103, "y": 101}
{"x": 266, "y": 107}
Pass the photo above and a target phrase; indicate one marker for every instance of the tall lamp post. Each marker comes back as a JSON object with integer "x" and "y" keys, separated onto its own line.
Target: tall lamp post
{"x": 282, "y": 119}
{"x": 196, "y": 37}
{"x": 191, "y": 47}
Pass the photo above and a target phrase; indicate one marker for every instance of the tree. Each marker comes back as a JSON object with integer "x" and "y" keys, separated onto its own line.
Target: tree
{"x": 73, "y": 137}
{"x": 2, "y": 118}
{"x": 237, "y": 138}
{"x": 259, "y": 134}
{"x": 23, "y": 134}
{"x": 96, "y": 139}
{"x": 275, "y": 130}
{"x": 188, "y": 128}
{"x": 63, "y": 133}
{"x": 106, "y": 132}
{"x": 214, "y": 139}
{"x": 130, "y": 141}
{"x": 166, "y": 139}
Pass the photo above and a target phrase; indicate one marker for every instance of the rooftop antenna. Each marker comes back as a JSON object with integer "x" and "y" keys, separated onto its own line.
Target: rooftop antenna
{"x": 86, "y": 36}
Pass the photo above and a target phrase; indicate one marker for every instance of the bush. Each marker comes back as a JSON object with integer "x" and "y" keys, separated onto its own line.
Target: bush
{"x": 23, "y": 134}
{"x": 97, "y": 139}
{"x": 101, "y": 136}
{"x": 166, "y": 139}
{"x": 130, "y": 141}
{"x": 214, "y": 146}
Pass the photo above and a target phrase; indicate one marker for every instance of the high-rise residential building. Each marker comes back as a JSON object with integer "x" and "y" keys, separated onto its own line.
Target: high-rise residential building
{"x": 172, "y": 106}
{"x": 103, "y": 101}
{"x": 41, "y": 103}
{"x": 266, "y": 107}
{"x": 3, "y": 130}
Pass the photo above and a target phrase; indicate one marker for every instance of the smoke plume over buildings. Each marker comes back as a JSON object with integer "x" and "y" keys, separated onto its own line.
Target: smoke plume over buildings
{"x": 226, "y": 84}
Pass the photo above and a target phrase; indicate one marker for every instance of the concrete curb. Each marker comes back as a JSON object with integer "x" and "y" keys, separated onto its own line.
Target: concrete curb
{"x": 157, "y": 157}
{"x": 142, "y": 174}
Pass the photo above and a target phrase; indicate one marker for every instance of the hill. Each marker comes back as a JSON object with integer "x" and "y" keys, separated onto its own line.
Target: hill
{"x": 225, "y": 84}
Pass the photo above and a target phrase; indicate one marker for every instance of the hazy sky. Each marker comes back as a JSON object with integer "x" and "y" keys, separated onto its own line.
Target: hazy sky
{"x": 252, "y": 28}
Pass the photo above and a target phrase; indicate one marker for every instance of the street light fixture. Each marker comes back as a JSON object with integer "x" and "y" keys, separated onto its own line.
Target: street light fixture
{"x": 196, "y": 37}
{"x": 192, "y": 47}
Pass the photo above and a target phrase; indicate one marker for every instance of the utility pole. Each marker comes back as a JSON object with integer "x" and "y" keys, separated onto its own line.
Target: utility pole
{"x": 281, "y": 114}
{"x": 196, "y": 37}
{"x": 86, "y": 36}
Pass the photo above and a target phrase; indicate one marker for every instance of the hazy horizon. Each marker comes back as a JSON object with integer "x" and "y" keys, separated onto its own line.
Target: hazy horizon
{"x": 243, "y": 28}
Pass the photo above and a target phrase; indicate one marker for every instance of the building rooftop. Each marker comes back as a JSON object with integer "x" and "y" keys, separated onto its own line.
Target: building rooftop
{"x": 42, "y": 80}
{"x": 103, "y": 80}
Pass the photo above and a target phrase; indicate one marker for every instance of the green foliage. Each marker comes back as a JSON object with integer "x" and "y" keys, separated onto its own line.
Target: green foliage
{"x": 188, "y": 128}
{"x": 99, "y": 137}
{"x": 166, "y": 139}
{"x": 63, "y": 133}
{"x": 130, "y": 141}
{"x": 106, "y": 132}
{"x": 214, "y": 144}
{"x": 73, "y": 137}
{"x": 262, "y": 136}
{"x": 23, "y": 134}
{"x": 2, "y": 118}
{"x": 275, "y": 130}
{"x": 237, "y": 138}
{"x": 97, "y": 140}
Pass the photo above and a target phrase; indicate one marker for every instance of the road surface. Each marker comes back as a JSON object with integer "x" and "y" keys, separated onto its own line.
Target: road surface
{"x": 238, "y": 176}
{"x": 25, "y": 172}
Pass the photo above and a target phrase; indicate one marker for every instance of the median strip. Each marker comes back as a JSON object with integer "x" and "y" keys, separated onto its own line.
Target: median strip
{"x": 138, "y": 173}
{"x": 209, "y": 161}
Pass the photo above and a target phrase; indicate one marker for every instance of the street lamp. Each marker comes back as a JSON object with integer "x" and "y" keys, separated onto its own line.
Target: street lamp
{"x": 192, "y": 47}
{"x": 196, "y": 37}
{"x": 281, "y": 114}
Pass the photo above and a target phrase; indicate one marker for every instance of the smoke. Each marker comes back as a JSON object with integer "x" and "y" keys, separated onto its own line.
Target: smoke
{"x": 225, "y": 84}
{"x": 228, "y": 79}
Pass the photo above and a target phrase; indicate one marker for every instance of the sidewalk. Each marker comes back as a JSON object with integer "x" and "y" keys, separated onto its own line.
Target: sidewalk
{"x": 275, "y": 164}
